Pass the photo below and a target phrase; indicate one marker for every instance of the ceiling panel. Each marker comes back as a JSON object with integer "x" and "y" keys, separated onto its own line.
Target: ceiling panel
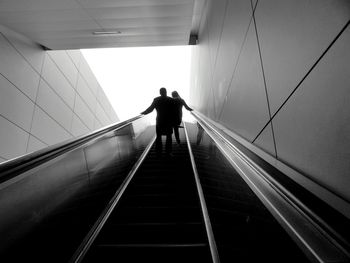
{"x": 130, "y": 3}
{"x": 34, "y": 5}
{"x": 70, "y": 24}
{"x": 146, "y": 22}
{"x": 140, "y": 11}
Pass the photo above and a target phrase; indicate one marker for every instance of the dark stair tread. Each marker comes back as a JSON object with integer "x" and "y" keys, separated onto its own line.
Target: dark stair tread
{"x": 152, "y": 214}
{"x": 152, "y": 233}
{"x": 151, "y": 253}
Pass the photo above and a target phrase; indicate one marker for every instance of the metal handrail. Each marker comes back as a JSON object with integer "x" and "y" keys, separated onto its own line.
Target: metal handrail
{"x": 12, "y": 168}
{"x": 95, "y": 230}
{"x": 293, "y": 216}
{"x": 208, "y": 227}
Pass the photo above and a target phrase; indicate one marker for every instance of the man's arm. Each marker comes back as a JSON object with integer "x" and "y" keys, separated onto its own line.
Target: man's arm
{"x": 150, "y": 108}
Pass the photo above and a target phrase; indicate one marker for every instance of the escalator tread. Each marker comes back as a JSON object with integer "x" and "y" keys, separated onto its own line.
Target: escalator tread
{"x": 158, "y": 218}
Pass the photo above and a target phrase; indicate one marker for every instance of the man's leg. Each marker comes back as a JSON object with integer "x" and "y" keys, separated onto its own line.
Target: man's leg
{"x": 168, "y": 144}
{"x": 177, "y": 136}
{"x": 158, "y": 141}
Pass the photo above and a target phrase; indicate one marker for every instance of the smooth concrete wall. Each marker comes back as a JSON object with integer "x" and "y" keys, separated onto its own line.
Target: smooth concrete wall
{"x": 45, "y": 96}
{"x": 277, "y": 74}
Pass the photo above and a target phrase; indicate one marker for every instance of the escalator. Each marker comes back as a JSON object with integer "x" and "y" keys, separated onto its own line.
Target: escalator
{"x": 112, "y": 199}
{"x": 158, "y": 218}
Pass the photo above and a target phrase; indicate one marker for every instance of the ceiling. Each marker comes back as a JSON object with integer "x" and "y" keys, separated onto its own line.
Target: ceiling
{"x": 78, "y": 24}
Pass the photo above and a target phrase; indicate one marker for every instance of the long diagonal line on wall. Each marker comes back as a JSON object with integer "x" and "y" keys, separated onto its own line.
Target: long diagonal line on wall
{"x": 234, "y": 70}
{"x": 264, "y": 78}
{"x": 35, "y": 101}
{"x": 198, "y": 69}
{"x": 302, "y": 80}
{"x": 211, "y": 68}
{"x": 216, "y": 55}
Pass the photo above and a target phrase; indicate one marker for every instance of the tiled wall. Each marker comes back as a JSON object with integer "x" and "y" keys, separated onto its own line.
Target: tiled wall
{"x": 277, "y": 73}
{"x": 45, "y": 96}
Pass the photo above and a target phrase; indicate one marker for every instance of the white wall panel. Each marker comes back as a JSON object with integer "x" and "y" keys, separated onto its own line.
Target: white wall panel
{"x": 214, "y": 26}
{"x": 65, "y": 64}
{"x": 293, "y": 35}
{"x": 97, "y": 124}
{"x": 238, "y": 16}
{"x": 86, "y": 94}
{"x": 113, "y": 116}
{"x": 75, "y": 55}
{"x": 78, "y": 127}
{"x": 14, "y": 105}
{"x": 84, "y": 112}
{"x": 52, "y": 120}
{"x": 205, "y": 85}
{"x": 34, "y": 144}
{"x": 246, "y": 110}
{"x": 54, "y": 106}
{"x": 32, "y": 52}
{"x": 195, "y": 77}
{"x": 17, "y": 70}
{"x": 46, "y": 129}
{"x": 86, "y": 72}
{"x": 265, "y": 141}
{"x": 13, "y": 140}
{"x": 101, "y": 115}
{"x": 313, "y": 129}
{"x": 58, "y": 82}
{"x": 104, "y": 101}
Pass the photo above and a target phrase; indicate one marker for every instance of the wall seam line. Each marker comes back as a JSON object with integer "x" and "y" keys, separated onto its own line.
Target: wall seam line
{"x": 71, "y": 59}
{"x": 40, "y": 74}
{"x": 15, "y": 124}
{"x": 210, "y": 67}
{"x": 264, "y": 78}
{"x": 217, "y": 54}
{"x": 60, "y": 70}
{"x": 2, "y": 157}
{"x": 305, "y": 76}
{"x": 95, "y": 95}
{"x": 235, "y": 68}
{"x": 35, "y": 101}
{"x": 20, "y": 53}
{"x": 75, "y": 93}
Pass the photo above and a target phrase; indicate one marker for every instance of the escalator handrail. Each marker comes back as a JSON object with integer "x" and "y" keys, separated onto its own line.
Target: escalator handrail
{"x": 206, "y": 218}
{"x": 96, "y": 228}
{"x": 279, "y": 189}
{"x": 10, "y": 169}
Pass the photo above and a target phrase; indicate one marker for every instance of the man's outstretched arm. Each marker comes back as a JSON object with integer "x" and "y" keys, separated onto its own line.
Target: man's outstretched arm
{"x": 149, "y": 109}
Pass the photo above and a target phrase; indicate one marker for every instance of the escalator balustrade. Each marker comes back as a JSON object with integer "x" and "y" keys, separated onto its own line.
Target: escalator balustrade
{"x": 158, "y": 216}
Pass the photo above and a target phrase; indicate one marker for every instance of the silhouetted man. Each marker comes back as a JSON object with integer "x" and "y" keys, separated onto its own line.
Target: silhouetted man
{"x": 165, "y": 118}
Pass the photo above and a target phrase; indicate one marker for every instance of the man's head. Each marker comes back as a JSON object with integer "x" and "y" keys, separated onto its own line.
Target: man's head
{"x": 162, "y": 92}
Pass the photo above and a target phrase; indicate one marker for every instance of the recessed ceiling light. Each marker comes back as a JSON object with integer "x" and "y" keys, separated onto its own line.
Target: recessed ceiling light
{"x": 106, "y": 33}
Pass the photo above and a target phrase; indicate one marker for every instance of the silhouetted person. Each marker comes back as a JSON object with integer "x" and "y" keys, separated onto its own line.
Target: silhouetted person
{"x": 179, "y": 102}
{"x": 164, "y": 106}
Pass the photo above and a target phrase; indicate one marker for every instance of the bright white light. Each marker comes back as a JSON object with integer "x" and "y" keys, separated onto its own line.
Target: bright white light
{"x": 132, "y": 77}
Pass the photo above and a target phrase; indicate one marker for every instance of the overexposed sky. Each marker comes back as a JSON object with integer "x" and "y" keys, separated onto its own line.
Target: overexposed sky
{"x": 132, "y": 77}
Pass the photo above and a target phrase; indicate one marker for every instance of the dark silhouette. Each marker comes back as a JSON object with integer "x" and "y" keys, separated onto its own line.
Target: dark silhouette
{"x": 178, "y": 102}
{"x": 164, "y": 106}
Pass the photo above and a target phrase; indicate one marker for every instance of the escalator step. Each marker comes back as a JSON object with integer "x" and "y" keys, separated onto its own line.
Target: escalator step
{"x": 153, "y": 233}
{"x": 156, "y": 214}
{"x": 155, "y": 253}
